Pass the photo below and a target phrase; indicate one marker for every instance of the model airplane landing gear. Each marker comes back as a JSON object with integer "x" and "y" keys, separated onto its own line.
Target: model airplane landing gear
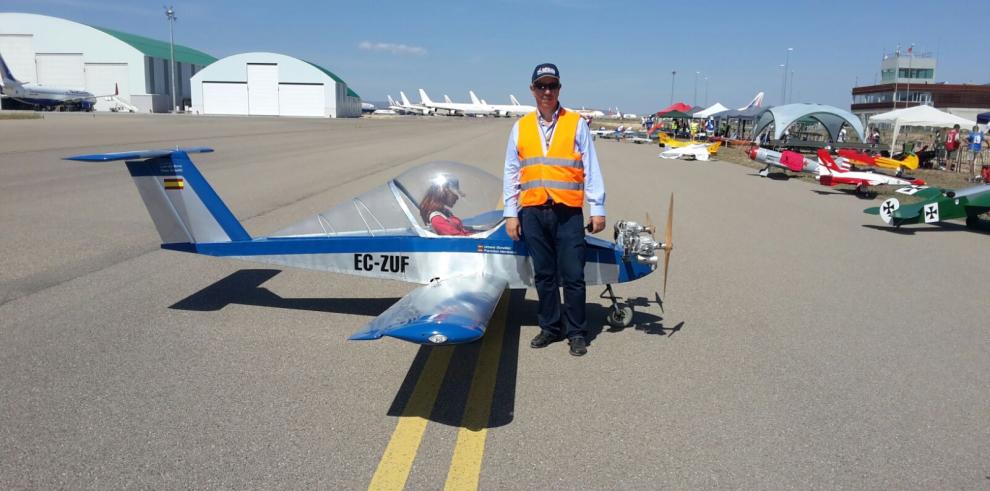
{"x": 620, "y": 315}
{"x": 865, "y": 192}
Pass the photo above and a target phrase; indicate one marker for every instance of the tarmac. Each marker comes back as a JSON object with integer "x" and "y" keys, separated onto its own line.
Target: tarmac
{"x": 803, "y": 343}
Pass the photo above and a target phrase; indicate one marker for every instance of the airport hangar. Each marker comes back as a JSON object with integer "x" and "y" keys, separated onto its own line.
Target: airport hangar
{"x": 61, "y": 53}
{"x": 271, "y": 84}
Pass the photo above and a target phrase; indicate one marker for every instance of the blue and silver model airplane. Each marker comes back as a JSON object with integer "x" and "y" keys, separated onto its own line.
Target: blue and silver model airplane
{"x": 383, "y": 233}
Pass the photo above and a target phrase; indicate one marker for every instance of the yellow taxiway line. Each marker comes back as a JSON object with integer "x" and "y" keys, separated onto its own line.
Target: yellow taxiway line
{"x": 393, "y": 469}
{"x": 465, "y": 467}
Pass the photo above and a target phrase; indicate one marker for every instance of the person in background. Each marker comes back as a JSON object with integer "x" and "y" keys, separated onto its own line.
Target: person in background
{"x": 975, "y": 140}
{"x": 952, "y": 143}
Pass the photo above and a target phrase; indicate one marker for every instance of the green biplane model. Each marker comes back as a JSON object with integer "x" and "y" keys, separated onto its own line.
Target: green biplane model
{"x": 936, "y": 205}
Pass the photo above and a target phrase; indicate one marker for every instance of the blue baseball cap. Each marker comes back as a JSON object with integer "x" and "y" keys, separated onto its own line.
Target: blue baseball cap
{"x": 545, "y": 70}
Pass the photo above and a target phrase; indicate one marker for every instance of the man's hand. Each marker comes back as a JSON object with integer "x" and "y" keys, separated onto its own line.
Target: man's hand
{"x": 597, "y": 224}
{"x": 513, "y": 228}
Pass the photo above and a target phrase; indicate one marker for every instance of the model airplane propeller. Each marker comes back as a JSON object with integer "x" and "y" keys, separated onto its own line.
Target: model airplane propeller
{"x": 386, "y": 233}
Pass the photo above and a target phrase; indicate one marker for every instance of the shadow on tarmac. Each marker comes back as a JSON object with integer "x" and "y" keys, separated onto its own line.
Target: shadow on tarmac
{"x": 982, "y": 227}
{"x": 244, "y": 288}
{"x": 776, "y": 176}
{"x": 846, "y": 192}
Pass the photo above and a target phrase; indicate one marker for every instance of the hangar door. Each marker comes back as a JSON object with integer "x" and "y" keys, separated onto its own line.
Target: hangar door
{"x": 225, "y": 98}
{"x": 101, "y": 78}
{"x": 262, "y": 81}
{"x": 18, "y": 53}
{"x": 62, "y": 70}
{"x": 301, "y": 100}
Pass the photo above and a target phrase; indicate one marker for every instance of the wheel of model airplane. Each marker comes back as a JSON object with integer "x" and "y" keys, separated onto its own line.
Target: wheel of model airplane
{"x": 621, "y": 315}
{"x": 972, "y": 221}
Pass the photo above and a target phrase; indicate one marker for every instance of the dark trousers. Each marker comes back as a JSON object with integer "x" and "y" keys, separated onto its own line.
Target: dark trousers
{"x": 554, "y": 236}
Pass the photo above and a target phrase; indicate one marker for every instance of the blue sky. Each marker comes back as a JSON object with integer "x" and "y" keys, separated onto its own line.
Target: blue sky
{"x": 609, "y": 53}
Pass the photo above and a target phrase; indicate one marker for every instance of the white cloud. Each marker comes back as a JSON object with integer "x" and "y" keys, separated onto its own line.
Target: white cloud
{"x": 395, "y": 49}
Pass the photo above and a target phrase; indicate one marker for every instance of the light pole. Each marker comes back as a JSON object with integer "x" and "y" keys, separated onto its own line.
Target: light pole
{"x": 790, "y": 94}
{"x": 787, "y": 61}
{"x": 673, "y": 75}
{"x": 910, "y": 66}
{"x": 170, "y": 15}
{"x": 706, "y": 91}
{"x": 695, "y": 101}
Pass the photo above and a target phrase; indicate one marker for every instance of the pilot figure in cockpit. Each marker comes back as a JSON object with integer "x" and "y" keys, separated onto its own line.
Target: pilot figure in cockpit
{"x": 435, "y": 208}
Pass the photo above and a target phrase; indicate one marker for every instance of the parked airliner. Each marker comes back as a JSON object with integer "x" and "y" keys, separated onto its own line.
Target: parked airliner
{"x": 514, "y": 109}
{"x": 45, "y": 97}
{"x": 455, "y": 108}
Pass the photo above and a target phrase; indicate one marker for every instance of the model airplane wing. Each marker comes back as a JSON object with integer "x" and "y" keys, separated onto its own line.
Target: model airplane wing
{"x": 455, "y": 310}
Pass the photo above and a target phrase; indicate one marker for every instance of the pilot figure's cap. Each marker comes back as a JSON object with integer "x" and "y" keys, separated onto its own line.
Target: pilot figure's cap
{"x": 449, "y": 181}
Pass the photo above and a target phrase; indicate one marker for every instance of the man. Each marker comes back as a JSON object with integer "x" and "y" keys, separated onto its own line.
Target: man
{"x": 975, "y": 140}
{"x": 952, "y": 140}
{"x": 551, "y": 169}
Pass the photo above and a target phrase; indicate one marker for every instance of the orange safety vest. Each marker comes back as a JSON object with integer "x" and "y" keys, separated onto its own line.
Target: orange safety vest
{"x": 558, "y": 175}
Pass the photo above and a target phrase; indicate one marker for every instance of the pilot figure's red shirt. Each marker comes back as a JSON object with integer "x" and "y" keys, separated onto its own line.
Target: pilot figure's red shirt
{"x": 447, "y": 224}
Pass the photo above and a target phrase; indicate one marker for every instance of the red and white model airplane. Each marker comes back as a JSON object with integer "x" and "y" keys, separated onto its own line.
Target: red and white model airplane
{"x": 831, "y": 174}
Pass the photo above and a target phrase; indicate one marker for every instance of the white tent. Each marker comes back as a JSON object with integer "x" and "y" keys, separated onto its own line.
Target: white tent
{"x": 919, "y": 116}
{"x": 832, "y": 118}
{"x": 710, "y": 111}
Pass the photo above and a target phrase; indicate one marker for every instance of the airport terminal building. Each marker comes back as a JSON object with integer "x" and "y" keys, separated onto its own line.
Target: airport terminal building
{"x": 909, "y": 80}
{"x": 272, "y": 84}
{"x": 61, "y": 53}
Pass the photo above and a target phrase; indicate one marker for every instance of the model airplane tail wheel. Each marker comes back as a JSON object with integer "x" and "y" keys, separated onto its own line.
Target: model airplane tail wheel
{"x": 620, "y": 316}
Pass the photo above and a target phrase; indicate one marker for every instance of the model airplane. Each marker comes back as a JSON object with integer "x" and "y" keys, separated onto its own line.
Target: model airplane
{"x": 937, "y": 205}
{"x": 697, "y": 151}
{"x": 382, "y": 233}
{"x": 910, "y": 160}
{"x": 790, "y": 160}
{"x": 756, "y": 102}
{"x": 41, "y": 97}
{"x": 831, "y": 174}
{"x": 668, "y": 141}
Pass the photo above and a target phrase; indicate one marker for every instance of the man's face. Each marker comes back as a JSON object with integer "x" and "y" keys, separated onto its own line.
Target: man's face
{"x": 546, "y": 90}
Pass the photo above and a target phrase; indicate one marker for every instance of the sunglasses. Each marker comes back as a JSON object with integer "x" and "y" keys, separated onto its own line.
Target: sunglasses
{"x": 550, "y": 86}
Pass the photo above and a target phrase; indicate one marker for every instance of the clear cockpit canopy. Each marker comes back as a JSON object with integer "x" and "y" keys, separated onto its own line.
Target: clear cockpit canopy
{"x": 394, "y": 208}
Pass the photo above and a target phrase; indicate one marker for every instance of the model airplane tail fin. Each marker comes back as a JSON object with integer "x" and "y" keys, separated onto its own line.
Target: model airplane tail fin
{"x": 828, "y": 161}
{"x": 5, "y": 75}
{"x": 424, "y": 98}
{"x": 184, "y": 207}
{"x": 513, "y": 99}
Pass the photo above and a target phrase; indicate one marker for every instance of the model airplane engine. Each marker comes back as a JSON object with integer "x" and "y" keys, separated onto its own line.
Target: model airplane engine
{"x": 637, "y": 240}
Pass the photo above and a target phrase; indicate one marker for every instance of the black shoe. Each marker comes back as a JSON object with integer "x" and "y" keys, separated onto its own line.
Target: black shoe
{"x": 578, "y": 346}
{"x": 543, "y": 339}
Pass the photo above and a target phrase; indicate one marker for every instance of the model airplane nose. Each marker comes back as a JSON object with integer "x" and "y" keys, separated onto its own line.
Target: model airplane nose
{"x": 752, "y": 153}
